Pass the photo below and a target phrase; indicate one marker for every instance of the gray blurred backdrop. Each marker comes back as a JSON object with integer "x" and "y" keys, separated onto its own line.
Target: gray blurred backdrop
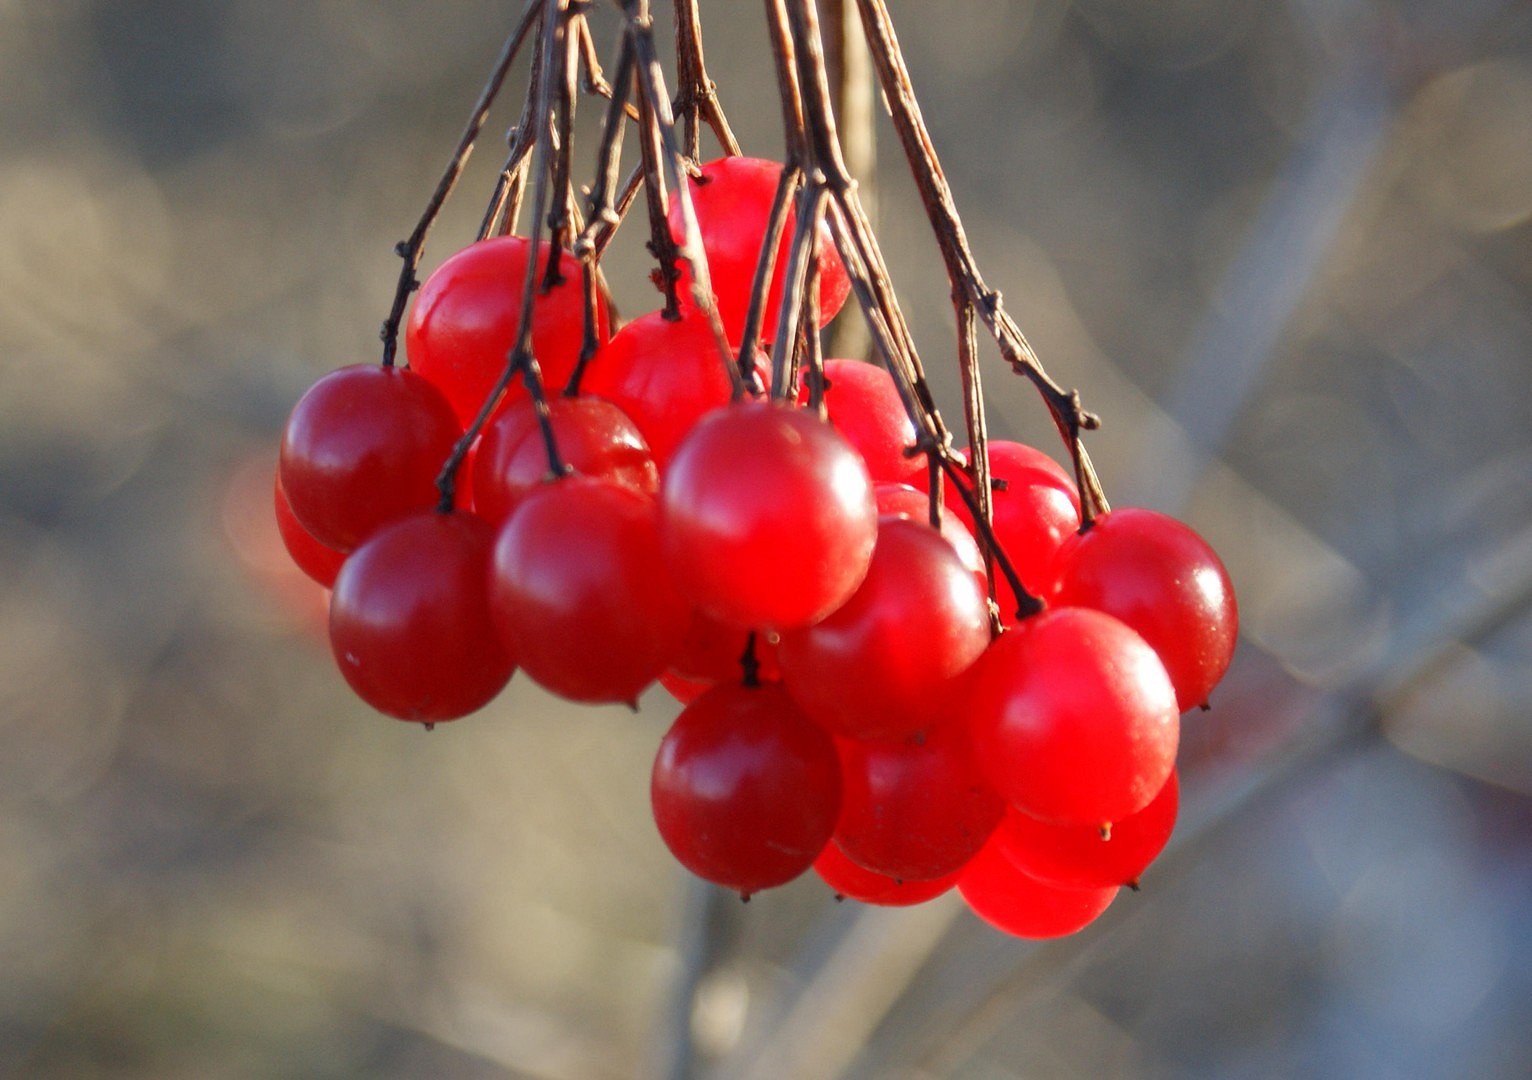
{"x": 1283, "y": 248}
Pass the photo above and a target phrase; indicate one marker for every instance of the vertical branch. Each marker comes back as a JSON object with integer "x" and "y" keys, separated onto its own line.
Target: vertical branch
{"x": 765, "y": 263}
{"x": 563, "y": 126}
{"x": 811, "y": 209}
{"x": 661, "y": 244}
{"x": 411, "y": 249}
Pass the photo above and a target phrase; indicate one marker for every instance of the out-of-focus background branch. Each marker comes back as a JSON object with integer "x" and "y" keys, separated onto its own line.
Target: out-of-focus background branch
{"x": 1284, "y": 249}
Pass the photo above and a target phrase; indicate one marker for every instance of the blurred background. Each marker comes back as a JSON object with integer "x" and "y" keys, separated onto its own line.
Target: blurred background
{"x": 1284, "y": 249}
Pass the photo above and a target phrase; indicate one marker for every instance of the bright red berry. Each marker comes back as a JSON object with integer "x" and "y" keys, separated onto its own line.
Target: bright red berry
{"x": 865, "y": 407}
{"x": 904, "y": 501}
{"x": 768, "y": 517}
{"x": 745, "y": 788}
{"x": 882, "y": 665}
{"x": 581, "y": 594}
{"x": 362, "y": 449}
{"x": 464, "y": 322}
{"x": 1073, "y": 718}
{"x": 1163, "y": 580}
{"x": 732, "y": 199}
{"x": 916, "y": 809}
{"x": 1079, "y": 856}
{"x": 1018, "y": 904}
{"x": 1034, "y": 511}
{"x": 593, "y": 437}
{"x": 856, "y": 883}
{"x": 664, "y": 374}
{"x": 315, "y": 559}
{"x": 410, "y": 624}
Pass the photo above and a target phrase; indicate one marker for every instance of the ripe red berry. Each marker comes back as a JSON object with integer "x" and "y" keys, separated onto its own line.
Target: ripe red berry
{"x": 409, "y": 620}
{"x": 664, "y": 374}
{"x": 313, "y": 558}
{"x": 768, "y": 517}
{"x": 1032, "y": 515}
{"x": 855, "y": 883}
{"x": 732, "y": 199}
{"x": 713, "y": 651}
{"x": 1164, "y": 581}
{"x": 745, "y": 788}
{"x": 904, "y": 501}
{"x": 362, "y": 449}
{"x": 594, "y": 438}
{"x": 1079, "y": 856}
{"x": 1074, "y": 719}
{"x": 1018, "y": 904}
{"x": 464, "y": 322}
{"x": 581, "y": 594}
{"x": 866, "y": 409}
{"x": 916, "y": 809}
{"x": 882, "y": 665}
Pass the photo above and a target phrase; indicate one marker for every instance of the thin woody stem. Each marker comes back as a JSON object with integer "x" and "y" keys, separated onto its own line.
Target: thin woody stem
{"x": 811, "y": 209}
{"x": 962, "y": 270}
{"x": 521, "y": 359}
{"x": 412, "y": 248}
{"x": 765, "y": 263}
{"x": 651, "y": 83}
{"x": 696, "y": 94}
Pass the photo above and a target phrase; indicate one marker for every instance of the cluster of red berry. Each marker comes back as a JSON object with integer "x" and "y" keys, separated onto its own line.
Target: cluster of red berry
{"x": 848, "y": 704}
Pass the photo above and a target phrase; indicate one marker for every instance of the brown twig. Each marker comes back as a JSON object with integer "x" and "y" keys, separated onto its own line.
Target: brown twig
{"x": 412, "y": 248}
{"x": 696, "y": 94}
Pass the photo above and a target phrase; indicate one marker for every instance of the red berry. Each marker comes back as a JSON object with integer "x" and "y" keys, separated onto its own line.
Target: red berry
{"x": 1036, "y": 511}
{"x": 362, "y": 449}
{"x": 745, "y": 788}
{"x": 882, "y": 665}
{"x": 665, "y": 374}
{"x": 768, "y": 517}
{"x": 581, "y": 594}
{"x": 853, "y": 882}
{"x": 864, "y": 406}
{"x": 1163, "y": 580}
{"x": 732, "y": 199}
{"x": 904, "y": 501}
{"x": 916, "y": 809}
{"x": 713, "y": 651}
{"x": 593, "y": 436}
{"x": 683, "y": 689}
{"x": 315, "y": 559}
{"x": 1018, "y": 904}
{"x": 410, "y": 623}
{"x": 464, "y": 322}
{"x": 1079, "y": 856}
{"x": 1074, "y": 719}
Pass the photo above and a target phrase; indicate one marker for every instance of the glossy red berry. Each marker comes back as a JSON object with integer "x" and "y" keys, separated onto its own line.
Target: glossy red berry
{"x": 904, "y": 501}
{"x": 1073, "y": 718}
{"x": 713, "y": 651}
{"x": 313, "y": 558}
{"x": 864, "y": 406}
{"x": 883, "y": 664}
{"x": 856, "y": 883}
{"x": 916, "y": 809}
{"x": 664, "y": 374}
{"x": 1035, "y": 511}
{"x": 362, "y": 449}
{"x": 1018, "y": 904}
{"x": 768, "y": 517}
{"x": 464, "y": 322}
{"x": 1079, "y": 855}
{"x": 410, "y": 624}
{"x": 594, "y": 438}
{"x": 745, "y": 788}
{"x": 581, "y": 594}
{"x": 732, "y": 198}
{"x": 1163, "y": 580}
